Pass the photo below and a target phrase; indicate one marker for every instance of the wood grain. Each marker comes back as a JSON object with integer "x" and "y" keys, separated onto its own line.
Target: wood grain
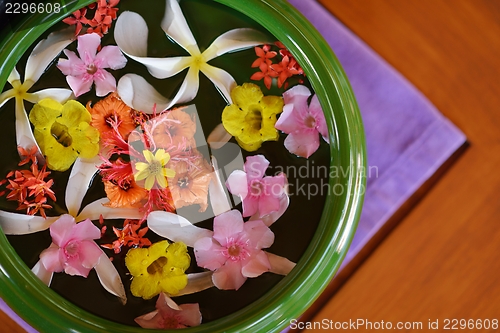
{"x": 442, "y": 261}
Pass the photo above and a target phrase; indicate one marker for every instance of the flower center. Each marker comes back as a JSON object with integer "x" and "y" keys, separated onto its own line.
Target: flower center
{"x": 254, "y": 119}
{"x": 234, "y": 251}
{"x": 170, "y": 322}
{"x": 155, "y": 167}
{"x": 91, "y": 69}
{"x": 157, "y": 266}
{"x": 310, "y": 122}
{"x": 198, "y": 61}
{"x": 60, "y": 133}
{"x": 183, "y": 182}
{"x": 71, "y": 249}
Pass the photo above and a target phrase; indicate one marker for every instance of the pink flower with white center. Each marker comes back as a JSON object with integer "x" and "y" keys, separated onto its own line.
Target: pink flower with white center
{"x": 73, "y": 249}
{"x": 170, "y": 315}
{"x": 301, "y": 122}
{"x": 89, "y": 68}
{"x": 234, "y": 252}
{"x": 260, "y": 194}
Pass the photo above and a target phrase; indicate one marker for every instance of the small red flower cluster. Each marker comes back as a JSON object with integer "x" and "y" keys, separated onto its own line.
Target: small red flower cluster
{"x": 104, "y": 15}
{"x": 29, "y": 187}
{"x": 131, "y": 235}
{"x": 282, "y": 70}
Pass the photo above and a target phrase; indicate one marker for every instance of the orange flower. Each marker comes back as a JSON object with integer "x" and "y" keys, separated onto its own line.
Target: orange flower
{"x": 190, "y": 184}
{"x": 174, "y": 127}
{"x": 110, "y": 112}
{"x": 125, "y": 194}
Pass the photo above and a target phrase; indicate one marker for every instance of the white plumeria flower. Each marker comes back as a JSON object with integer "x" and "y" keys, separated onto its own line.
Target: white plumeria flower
{"x": 78, "y": 184}
{"x": 40, "y": 58}
{"x": 131, "y": 34}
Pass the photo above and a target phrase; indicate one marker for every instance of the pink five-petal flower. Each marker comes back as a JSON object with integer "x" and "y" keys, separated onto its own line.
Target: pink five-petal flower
{"x": 73, "y": 249}
{"x": 89, "y": 68}
{"x": 234, "y": 252}
{"x": 260, "y": 194}
{"x": 170, "y": 315}
{"x": 301, "y": 122}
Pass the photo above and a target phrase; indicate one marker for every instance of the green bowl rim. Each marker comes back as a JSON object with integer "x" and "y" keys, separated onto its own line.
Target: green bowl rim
{"x": 45, "y": 310}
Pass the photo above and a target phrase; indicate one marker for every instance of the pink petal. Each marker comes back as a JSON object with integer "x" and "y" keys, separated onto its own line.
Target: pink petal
{"x": 319, "y": 116}
{"x": 104, "y": 83}
{"x": 87, "y": 47}
{"x": 85, "y": 230}
{"x": 268, "y": 204}
{"x": 61, "y": 230}
{"x": 227, "y": 225}
{"x": 74, "y": 266}
{"x": 79, "y": 84}
{"x": 289, "y": 120}
{"x": 72, "y": 66}
{"x": 297, "y": 96}
{"x": 257, "y": 265}
{"x": 255, "y": 167}
{"x": 229, "y": 276}
{"x": 150, "y": 320}
{"x": 89, "y": 254}
{"x": 302, "y": 143}
{"x": 208, "y": 254}
{"x": 110, "y": 57}
{"x": 50, "y": 259}
{"x": 190, "y": 314}
{"x": 237, "y": 183}
{"x": 250, "y": 205}
{"x": 259, "y": 234}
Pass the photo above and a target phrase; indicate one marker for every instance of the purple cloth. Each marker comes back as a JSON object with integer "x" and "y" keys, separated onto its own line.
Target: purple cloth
{"x": 407, "y": 138}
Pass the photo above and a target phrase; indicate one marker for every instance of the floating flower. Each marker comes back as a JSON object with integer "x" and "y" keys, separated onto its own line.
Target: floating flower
{"x": 301, "y": 122}
{"x": 190, "y": 184}
{"x": 81, "y": 73}
{"x": 63, "y": 132}
{"x": 131, "y": 36}
{"x": 169, "y": 315}
{"x": 173, "y": 128}
{"x": 124, "y": 193}
{"x": 131, "y": 235}
{"x": 235, "y": 250}
{"x": 251, "y": 118}
{"x": 154, "y": 169}
{"x": 110, "y": 111}
{"x": 159, "y": 268}
{"x": 40, "y": 58}
{"x": 260, "y": 194}
{"x": 73, "y": 249}
{"x": 77, "y": 19}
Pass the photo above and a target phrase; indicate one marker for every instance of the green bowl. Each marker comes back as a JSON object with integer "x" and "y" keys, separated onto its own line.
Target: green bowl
{"x": 47, "y": 311}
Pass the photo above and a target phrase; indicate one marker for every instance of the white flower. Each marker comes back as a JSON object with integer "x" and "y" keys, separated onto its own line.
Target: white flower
{"x": 131, "y": 34}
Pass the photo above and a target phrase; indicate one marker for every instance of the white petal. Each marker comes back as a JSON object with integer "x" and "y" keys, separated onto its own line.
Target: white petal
{"x": 24, "y": 134}
{"x": 131, "y": 35}
{"x": 223, "y": 81}
{"x": 218, "y": 137}
{"x": 274, "y": 216}
{"x": 175, "y": 26}
{"x": 279, "y": 265}
{"x": 22, "y": 224}
{"x": 189, "y": 88}
{"x": 79, "y": 181}
{"x": 6, "y": 95}
{"x": 137, "y": 93}
{"x": 176, "y": 228}
{"x": 196, "y": 282}
{"x": 14, "y": 76}
{"x": 109, "y": 278}
{"x": 218, "y": 198}
{"x": 60, "y": 95}
{"x": 235, "y": 40}
{"x": 46, "y": 51}
{"x": 95, "y": 209}
{"x": 42, "y": 273}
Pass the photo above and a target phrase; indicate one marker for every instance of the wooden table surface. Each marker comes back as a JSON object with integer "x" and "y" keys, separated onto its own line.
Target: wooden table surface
{"x": 443, "y": 260}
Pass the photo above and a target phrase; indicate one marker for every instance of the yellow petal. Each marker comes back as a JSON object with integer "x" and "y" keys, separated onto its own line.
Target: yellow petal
{"x": 137, "y": 261}
{"x": 148, "y": 155}
{"x": 60, "y": 158}
{"x": 246, "y": 95}
{"x": 268, "y": 131}
{"x": 141, "y": 166}
{"x": 233, "y": 119}
{"x": 85, "y": 140}
{"x": 45, "y": 112}
{"x": 162, "y": 156}
{"x": 161, "y": 180}
{"x": 74, "y": 113}
{"x": 271, "y": 105}
{"x": 158, "y": 249}
{"x": 173, "y": 284}
{"x": 168, "y": 173}
{"x": 146, "y": 286}
{"x": 249, "y": 147}
{"x": 150, "y": 181}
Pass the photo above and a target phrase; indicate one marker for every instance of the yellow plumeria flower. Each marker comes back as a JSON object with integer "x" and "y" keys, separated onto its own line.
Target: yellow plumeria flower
{"x": 154, "y": 169}
{"x": 252, "y": 116}
{"x": 159, "y": 268}
{"x": 63, "y": 132}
